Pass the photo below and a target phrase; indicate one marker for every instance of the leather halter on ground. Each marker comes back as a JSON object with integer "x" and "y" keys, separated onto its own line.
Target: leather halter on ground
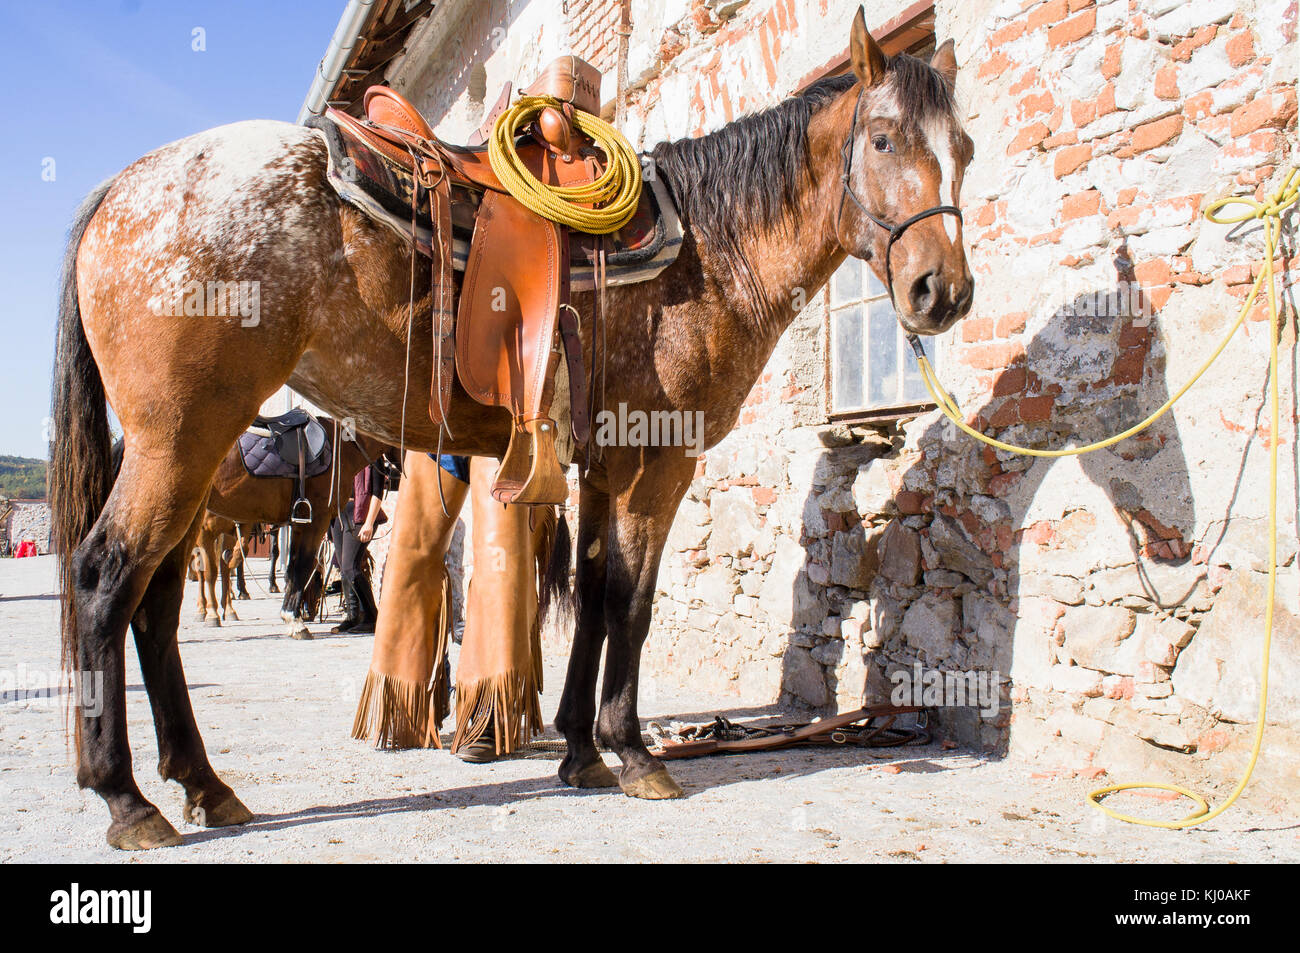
{"x": 513, "y": 322}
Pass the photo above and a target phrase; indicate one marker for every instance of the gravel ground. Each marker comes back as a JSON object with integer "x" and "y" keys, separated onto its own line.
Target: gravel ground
{"x": 276, "y": 716}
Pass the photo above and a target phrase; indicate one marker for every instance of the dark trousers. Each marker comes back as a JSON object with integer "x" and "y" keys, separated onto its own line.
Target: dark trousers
{"x": 350, "y": 554}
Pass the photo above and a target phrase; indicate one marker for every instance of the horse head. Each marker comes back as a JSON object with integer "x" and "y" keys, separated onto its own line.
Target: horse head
{"x": 904, "y": 156}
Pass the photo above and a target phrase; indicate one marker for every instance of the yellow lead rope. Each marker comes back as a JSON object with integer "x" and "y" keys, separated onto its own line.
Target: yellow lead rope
{"x": 604, "y": 206}
{"x": 1270, "y": 214}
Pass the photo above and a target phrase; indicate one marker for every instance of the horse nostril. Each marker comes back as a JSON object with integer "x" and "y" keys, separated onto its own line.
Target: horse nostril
{"x": 924, "y": 294}
{"x": 963, "y": 302}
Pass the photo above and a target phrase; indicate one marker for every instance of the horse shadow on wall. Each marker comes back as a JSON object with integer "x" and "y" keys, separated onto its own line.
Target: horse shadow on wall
{"x": 972, "y": 547}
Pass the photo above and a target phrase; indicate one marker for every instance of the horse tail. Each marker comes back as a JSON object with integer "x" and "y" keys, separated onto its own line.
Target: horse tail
{"x": 553, "y": 563}
{"x": 81, "y": 469}
{"x": 118, "y": 453}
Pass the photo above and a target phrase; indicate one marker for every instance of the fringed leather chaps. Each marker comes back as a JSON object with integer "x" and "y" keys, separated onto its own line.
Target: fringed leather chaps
{"x": 405, "y": 696}
{"x": 499, "y": 676}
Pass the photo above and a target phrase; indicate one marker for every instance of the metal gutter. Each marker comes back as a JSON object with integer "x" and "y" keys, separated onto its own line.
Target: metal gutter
{"x": 336, "y": 57}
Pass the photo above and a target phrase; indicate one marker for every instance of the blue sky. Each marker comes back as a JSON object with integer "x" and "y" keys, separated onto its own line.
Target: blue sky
{"x": 99, "y": 84}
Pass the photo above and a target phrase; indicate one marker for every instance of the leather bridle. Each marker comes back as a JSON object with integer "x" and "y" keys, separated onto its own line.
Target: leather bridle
{"x": 895, "y": 231}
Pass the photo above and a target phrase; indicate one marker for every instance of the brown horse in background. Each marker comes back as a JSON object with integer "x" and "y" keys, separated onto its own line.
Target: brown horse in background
{"x": 211, "y": 560}
{"x": 243, "y": 498}
{"x": 862, "y": 164}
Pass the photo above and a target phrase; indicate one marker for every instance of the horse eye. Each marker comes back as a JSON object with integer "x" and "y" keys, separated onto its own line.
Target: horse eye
{"x": 882, "y": 144}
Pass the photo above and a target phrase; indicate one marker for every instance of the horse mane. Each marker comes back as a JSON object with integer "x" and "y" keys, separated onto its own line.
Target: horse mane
{"x": 748, "y": 175}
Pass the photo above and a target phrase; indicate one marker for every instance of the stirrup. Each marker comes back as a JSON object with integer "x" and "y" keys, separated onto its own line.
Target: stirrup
{"x": 295, "y": 511}
{"x": 530, "y": 471}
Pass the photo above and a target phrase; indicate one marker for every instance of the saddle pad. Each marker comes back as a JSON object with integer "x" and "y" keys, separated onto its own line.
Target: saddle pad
{"x": 268, "y": 455}
{"x": 381, "y": 189}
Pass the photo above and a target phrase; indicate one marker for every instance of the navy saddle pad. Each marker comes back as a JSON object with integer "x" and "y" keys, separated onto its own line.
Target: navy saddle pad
{"x": 271, "y": 447}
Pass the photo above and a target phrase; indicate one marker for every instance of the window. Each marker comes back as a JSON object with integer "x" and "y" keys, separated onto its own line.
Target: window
{"x": 872, "y": 367}
{"x": 871, "y": 370}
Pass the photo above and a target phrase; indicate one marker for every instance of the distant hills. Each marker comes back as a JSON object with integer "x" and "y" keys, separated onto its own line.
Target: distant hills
{"x": 22, "y": 478}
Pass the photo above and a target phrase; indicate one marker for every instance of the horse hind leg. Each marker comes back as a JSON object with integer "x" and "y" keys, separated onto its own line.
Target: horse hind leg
{"x": 209, "y": 802}
{"x": 146, "y": 519}
{"x": 241, "y": 585}
{"x": 197, "y": 574}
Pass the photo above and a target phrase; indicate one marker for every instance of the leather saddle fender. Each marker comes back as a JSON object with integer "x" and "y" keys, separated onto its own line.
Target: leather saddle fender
{"x": 505, "y": 338}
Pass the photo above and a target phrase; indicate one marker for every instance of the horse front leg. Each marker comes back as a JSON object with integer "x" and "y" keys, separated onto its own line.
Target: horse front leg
{"x": 275, "y": 556}
{"x": 227, "y": 591}
{"x": 582, "y": 766}
{"x": 241, "y": 586}
{"x": 208, "y": 580}
{"x": 640, "y": 517}
{"x": 304, "y": 540}
{"x": 209, "y": 802}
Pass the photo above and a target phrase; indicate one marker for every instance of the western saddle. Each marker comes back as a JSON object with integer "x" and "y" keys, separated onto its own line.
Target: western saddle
{"x": 514, "y": 321}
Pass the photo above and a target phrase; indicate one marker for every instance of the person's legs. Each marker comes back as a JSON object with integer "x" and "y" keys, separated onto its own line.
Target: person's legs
{"x": 499, "y": 676}
{"x": 402, "y": 703}
{"x": 367, "y": 611}
{"x": 347, "y": 550}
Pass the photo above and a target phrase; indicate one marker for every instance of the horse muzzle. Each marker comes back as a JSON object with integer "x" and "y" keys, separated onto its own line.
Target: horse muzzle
{"x": 933, "y": 305}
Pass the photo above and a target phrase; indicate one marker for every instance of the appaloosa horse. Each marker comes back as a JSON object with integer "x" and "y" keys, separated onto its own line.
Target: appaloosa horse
{"x": 867, "y": 164}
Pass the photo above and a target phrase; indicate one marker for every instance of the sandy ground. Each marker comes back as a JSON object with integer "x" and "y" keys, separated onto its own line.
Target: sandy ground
{"x": 276, "y": 716}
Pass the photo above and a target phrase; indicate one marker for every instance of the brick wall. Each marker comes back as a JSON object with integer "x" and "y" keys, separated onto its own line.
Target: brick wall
{"x": 593, "y": 31}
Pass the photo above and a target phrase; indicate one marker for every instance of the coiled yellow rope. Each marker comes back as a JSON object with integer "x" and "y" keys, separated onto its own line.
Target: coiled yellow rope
{"x": 604, "y": 206}
{"x": 1270, "y": 214}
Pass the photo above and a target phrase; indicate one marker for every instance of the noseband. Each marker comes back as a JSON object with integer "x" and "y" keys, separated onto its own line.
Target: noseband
{"x": 895, "y": 231}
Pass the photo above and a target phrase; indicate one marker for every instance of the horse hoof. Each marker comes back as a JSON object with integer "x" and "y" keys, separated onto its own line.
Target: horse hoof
{"x": 275, "y": 589}
{"x": 300, "y": 632}
{"x": 213, "y": 623}
{"x": 286, "y": 617}
{"x": 231, "y": 617}
{"x": 153, "y": 831}
{"x": 226, "y": 813}
{"x": 594, "y": 775}
{"x": 656, "y": 786}
{"x": 244, "y": 597}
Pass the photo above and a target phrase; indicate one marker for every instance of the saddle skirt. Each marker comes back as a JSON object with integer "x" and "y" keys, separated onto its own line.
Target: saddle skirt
{"x": 381, "y": 189}
{"x": 274, "y": 446}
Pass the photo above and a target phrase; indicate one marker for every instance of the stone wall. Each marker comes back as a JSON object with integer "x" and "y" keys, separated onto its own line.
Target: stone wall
{"x": 1117, "y": 595}
{"x": 30, "y": 520}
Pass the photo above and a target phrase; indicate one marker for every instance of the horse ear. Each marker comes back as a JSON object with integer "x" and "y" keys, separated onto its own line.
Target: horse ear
{"x": 944, "y": 61}
{"x": 867, "y": 58}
